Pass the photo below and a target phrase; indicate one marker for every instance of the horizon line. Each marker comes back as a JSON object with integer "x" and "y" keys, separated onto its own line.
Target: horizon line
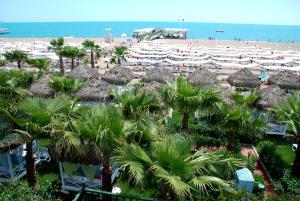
{"x": 187, "y": 21}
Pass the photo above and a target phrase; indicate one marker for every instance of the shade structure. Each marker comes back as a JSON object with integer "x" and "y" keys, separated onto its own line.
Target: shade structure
{"x": 41, "y": 87}
{"x": 202, "y": 77}
{"x": 94, "y": 90}
{"x": 244, "y": 179}
{"x": 84, "y": 72}
{"x": 244, "y": 78}
{"x": 160, "y": 75}
{"x": 285, "y": 80}
{"x": 270, "y": 97}
{"x": 118, "y": 75}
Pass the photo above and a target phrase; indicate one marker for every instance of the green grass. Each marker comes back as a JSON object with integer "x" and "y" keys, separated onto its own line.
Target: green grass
{"x": 286, "y": 153}
{"x": 135, "y": 191}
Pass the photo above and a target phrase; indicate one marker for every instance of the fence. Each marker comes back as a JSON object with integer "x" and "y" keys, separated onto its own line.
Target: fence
{"x": 98, "y": 195}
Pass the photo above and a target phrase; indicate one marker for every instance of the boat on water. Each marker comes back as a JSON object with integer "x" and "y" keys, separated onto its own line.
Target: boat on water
{"x": 4, "y": 31}
{"x": 220, "y": 31}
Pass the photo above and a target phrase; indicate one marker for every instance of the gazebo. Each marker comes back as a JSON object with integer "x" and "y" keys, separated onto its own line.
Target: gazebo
{"x": 84, "y": 72}
{"x": 285, "y": 80}
{"x": 94, "y": 90}
{"x": 202, "y": 77}
{"x": 80, "y": 168}
{"x": 270, "y": 97}
{"x": 12, "y": 159}
{"x": 244, "y": 78}
{"x": 244, "y": 179}
{"x": 118, "y": 75}
{"x": 160, "y": 75}
{"x": 41, "y": 87}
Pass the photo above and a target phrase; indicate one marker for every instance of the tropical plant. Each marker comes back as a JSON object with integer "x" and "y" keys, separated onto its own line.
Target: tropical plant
{"x": 3, "y": 62}
{"x": 289, "y": 112}
{"x": 135, "y": 103}
{"x": 94, "y": 50}
{"x": 16, "y": 55}
{"x": 32, "y": 118}
{"x": 239, "y": 121}
{"x": 119, "y": 55}
{"x": 246, "y": 100}
{"x": 40, "y": 63}
{"x": 188, "y": 99}
{"x": 72, "y": 53}
{"x": 57, "y": 47}
{"x": 178, "y": 172}
{"x": 65, "y": 84}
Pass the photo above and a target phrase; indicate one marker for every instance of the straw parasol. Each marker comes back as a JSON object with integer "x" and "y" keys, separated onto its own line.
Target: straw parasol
{"x": 41, "y": 87}
{"x": 94, "y": 90}
{"x": 118, "y": 75}
{"x": 270, "y": 97}
{"x": 202, "y": 77}
{"x": 89, "y": 154}
{"x": 84, "y": 72}
{"x": 160, "y": 75}
{"x": 285, "y": 80}
{"x": 244, "y": 78}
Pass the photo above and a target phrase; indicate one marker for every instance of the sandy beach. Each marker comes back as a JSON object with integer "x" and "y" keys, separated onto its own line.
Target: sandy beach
{"x": 195, "y": 42}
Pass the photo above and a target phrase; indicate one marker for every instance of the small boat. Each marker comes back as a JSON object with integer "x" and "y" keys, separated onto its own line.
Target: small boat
{"x": 220, "y": 31}
{"x": 4, "y": 31}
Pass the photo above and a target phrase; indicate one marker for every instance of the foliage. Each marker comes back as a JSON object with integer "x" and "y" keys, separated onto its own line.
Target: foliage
{"x": 19, "y": 191}
{"x": 66, "y": 85}
{"x": 246, "y": 100}
{"x": 72, "y": 53}
{"x": 40, "y": 63}
{"x": 272, "y": 161}
{"x": 202, "y": 140}
{"x": 94, "y": 49}
{"x": 16, "y": 55}
{"x": 119, "y": 54}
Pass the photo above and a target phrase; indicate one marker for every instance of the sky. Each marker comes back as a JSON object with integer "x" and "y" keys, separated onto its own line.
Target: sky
{"x": 281, "y": 12}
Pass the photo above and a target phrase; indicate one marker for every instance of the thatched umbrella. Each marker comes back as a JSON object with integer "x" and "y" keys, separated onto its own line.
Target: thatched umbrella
{"x": 89, "y": 154}
{"x": 202, "y": 77}
{"x": 160, "y": 75}
{"x": 41, "y": 87}
{"x": 84, "y": 72}
{"x": 244, "y": 78}
{"x": 270, "y": 97}
{"x": 285, "y": 80}
{"x": 94, "y": 90}
{"x": 118, "y": 75}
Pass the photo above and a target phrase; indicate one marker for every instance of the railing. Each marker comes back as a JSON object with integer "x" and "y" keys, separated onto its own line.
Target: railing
{"x": 98, "y": 195}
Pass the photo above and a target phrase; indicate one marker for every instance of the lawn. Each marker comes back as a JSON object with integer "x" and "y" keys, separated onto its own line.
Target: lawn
{"x": 286, "y": 153}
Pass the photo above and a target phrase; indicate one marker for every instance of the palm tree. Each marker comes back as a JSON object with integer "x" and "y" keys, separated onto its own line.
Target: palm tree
{"x": 135, "y": 103}
{"x": 246, "y": 100}
{"x": 71, "y": 53}
{"x": 240, "y": 121}
{"x": 40, "y": 63}
{"x": 16, "y": 55}
{"x": 57, "y": 47}
{"x": 178, "y": 172}
{"x": 188, "y": 99}
{"x": 119, "y": 55}
{"x": 94, "y": 49}
{"x": 32, "y": 118}
{"x": 289, "y": 112}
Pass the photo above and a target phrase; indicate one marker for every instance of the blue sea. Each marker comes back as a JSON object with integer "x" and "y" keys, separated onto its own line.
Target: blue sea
{"x": 196, "y": 30}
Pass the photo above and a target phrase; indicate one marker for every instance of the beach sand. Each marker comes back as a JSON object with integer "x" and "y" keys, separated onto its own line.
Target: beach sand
{"x": 195, "y": 42}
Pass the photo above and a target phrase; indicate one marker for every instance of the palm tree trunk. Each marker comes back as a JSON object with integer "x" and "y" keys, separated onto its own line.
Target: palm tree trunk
{"x": 106, "y": 179}
{"x": 19, "y": 64}
{"x": 164, "y": 192}
{"x": 61, "y": 62}
{"x": 72, "y": 63}
{"x": 296, "y": 165}
{"x": 30, "y": 166}
{"x": 119, "y": 61}
{"x": 185, "y": 121}
{"x": 231, "y": 142}
{"x": 92, "y": 59}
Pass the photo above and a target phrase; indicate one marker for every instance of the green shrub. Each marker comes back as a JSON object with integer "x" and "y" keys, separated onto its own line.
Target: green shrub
{"x": 273, "y": 162}
{"x": 202, "y": 140}
{"x": 66, "y": 85}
